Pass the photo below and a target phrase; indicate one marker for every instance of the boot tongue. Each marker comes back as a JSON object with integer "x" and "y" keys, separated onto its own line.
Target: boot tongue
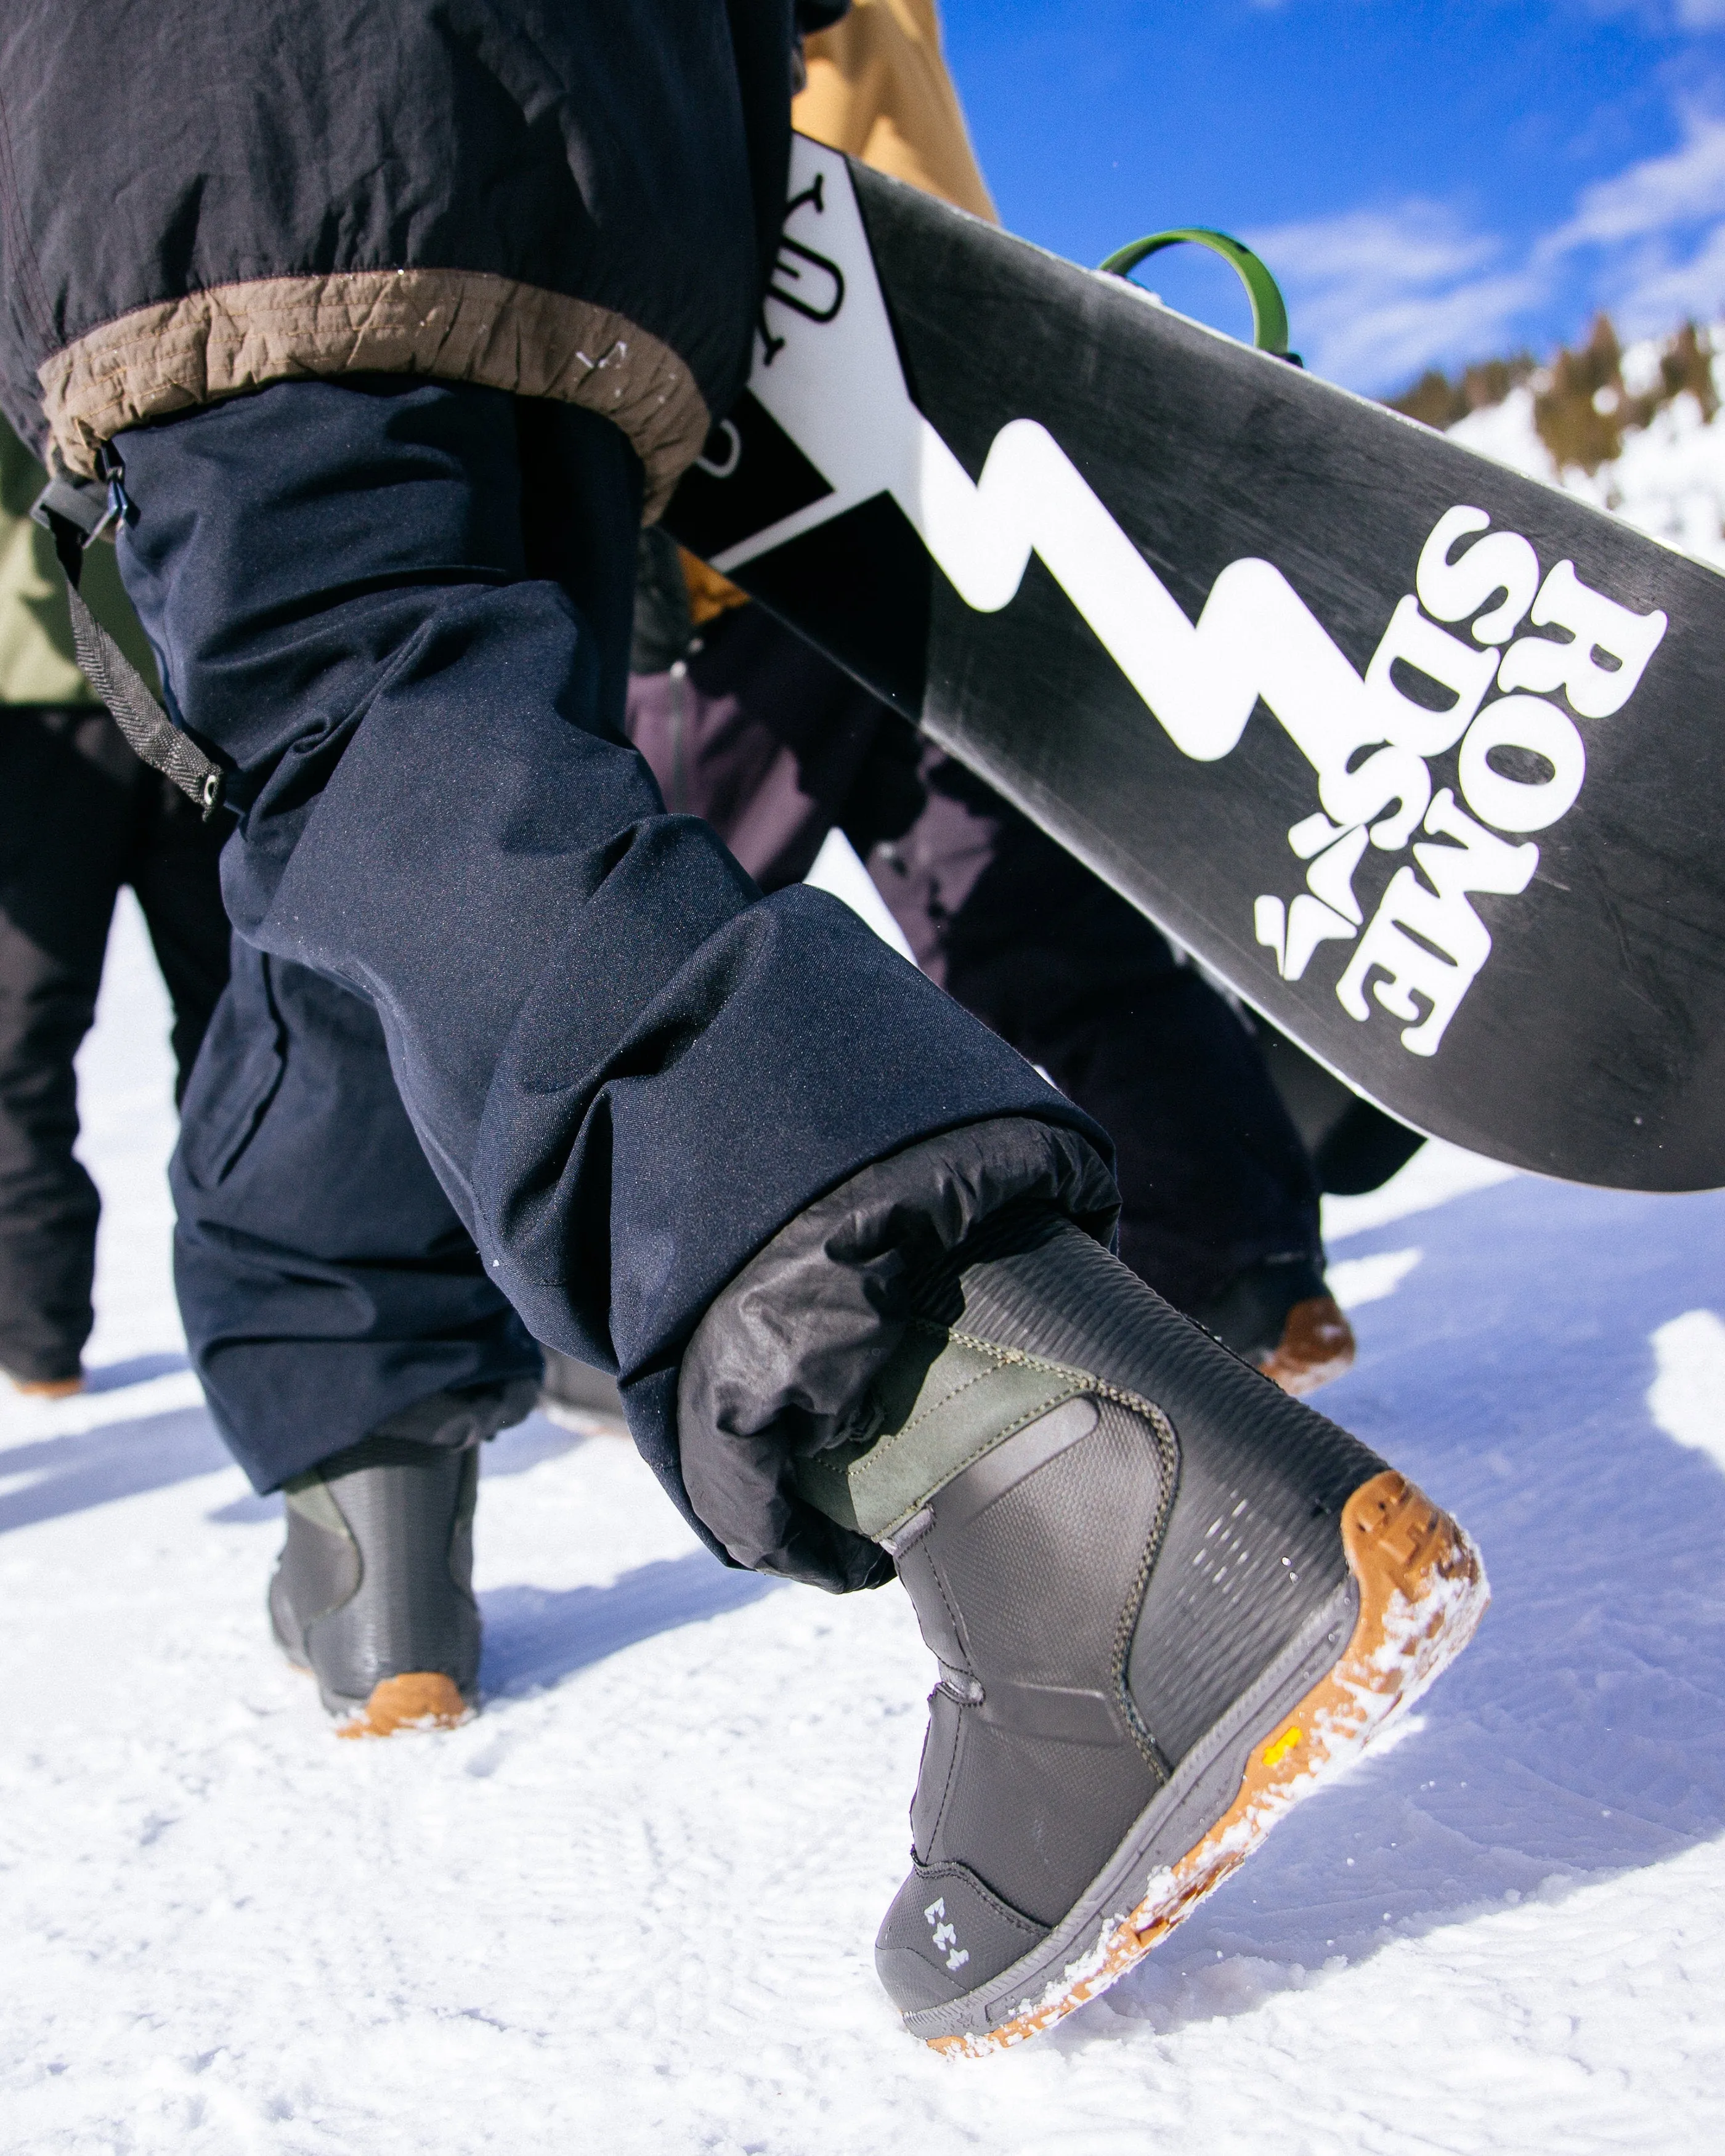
{"x": 942, "y": 1402}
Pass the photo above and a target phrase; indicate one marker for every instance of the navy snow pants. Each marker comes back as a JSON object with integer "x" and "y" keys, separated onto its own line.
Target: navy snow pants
{"x": 400, "y": 610}
{"x": 325, "y": 1279}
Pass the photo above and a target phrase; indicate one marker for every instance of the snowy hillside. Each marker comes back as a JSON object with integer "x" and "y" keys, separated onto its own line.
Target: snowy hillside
{"x": 1670, "y": 480}
{"x": 631, "y": 1907}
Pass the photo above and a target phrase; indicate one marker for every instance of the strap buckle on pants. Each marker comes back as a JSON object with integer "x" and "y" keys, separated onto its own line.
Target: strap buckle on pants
{"x": 75, "y": 513}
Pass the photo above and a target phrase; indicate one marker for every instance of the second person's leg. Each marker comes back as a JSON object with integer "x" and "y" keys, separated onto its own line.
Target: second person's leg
{"x": 65, "y": 811}
{"x": 350, "y": 1343}
{"x": 415, "y": 663}
{"x": 1219, "y": 1203}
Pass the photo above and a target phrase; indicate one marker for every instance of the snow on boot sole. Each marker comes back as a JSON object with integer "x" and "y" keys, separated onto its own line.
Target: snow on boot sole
{"x": 1417, "y": 1592}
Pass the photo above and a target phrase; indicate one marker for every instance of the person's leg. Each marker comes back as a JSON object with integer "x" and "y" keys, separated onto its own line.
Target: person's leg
{"x": 329, "y": 1293}
{"x": 589, "y": 1014}
{"x": 349, "y": 1341}
{"x": 325, "y": 1283}
{"x": 173, "y": 864}
{"x": 1219, "y": 1204}
{"x": 64, "y": 807}
{"x": 1354, "y": 1146}
{"x": 741, "y": 1147}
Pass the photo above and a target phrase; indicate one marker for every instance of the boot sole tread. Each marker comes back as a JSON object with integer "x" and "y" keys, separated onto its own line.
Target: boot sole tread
{"x": 420, "y": 1699}
{"x": 1422, "y": 1591}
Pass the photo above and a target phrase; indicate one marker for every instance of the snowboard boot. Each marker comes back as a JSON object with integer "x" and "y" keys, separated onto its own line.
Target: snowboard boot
{"x": 1167, "y": 1602}
{"x": 1281, "y": 1315}
{"x": 49, "y": 1388}
{"x": 1317, "y": 1344}
{"x": 373, "y": 1590}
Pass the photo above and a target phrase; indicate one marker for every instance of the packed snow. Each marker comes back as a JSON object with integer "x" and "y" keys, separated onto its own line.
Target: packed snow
{"x": 630, "y": 1906}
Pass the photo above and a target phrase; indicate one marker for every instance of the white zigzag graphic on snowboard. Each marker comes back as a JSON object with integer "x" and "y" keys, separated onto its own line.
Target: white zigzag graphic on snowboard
{"x": 1255, "y": 640}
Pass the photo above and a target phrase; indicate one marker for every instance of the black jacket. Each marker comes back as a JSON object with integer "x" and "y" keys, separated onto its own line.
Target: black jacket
{"x": 566, "y": 198}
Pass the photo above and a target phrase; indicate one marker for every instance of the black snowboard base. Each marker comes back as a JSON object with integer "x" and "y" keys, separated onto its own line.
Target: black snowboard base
{"x": 1419, "y": 755}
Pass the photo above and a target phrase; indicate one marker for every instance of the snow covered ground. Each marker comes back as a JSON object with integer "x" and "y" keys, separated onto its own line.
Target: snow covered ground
{"x": 630, "y": 1906}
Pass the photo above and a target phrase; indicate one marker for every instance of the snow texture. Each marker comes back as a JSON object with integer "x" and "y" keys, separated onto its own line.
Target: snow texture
{"x": 1687, "y": 1397}
{"x": 1355, "y": 1280}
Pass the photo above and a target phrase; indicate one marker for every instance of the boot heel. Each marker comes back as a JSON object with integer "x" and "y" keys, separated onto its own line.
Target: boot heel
{"x": 422, "y": 1700}
{"x": 1422, "y": 1592}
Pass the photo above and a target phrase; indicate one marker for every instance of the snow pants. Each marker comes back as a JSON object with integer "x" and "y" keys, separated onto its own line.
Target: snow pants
{"x": 767, "y": 740}
{"x": 399, "y": 610}
{"x": 1213, "y": 1178}
{"x": 324, "y": 1280}
{"x": 774, "y": 745}
{"x": 79, "y": 817}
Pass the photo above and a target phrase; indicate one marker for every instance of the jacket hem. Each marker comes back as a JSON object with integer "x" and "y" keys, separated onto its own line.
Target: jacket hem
{"x": 457, "y": 325}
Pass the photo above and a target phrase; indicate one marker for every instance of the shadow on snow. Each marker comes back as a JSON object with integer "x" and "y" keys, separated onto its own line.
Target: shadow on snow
{"x": 1584, "y": 1732}
{"x": 70, "y": 1472}
{"x": 535, "y": 1636}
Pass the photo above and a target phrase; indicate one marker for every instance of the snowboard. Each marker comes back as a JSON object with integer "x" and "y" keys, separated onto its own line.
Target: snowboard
{"x": 1420, "y": 757}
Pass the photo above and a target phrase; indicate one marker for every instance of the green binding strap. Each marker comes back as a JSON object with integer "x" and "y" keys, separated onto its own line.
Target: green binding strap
{"x": 1269, "y": 314}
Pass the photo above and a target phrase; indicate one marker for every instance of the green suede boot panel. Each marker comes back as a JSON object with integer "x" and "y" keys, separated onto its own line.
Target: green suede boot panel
{"x": 942, "y": 1402}
{"x": 309, "y": 1496}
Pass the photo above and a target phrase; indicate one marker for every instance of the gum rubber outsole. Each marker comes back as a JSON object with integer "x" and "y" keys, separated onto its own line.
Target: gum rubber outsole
{"x": 1422, "y": 1592}
{"x": 1316, "y": 1345}
{"x": 422, "y": 1700}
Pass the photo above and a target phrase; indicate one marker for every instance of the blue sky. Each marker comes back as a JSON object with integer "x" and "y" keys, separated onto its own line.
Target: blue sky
{"x": 1433, "y": 181}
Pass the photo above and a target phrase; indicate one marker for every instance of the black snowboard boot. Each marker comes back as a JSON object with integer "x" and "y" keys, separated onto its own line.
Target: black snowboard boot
{"x": 1280, "y": 1315}
{"x": 1167, "y": 1602}
{"x": 373, "y": 1591}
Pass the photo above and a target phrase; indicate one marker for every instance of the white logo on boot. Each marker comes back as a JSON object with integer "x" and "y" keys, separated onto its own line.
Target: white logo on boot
{"x": 945, "y": 1939}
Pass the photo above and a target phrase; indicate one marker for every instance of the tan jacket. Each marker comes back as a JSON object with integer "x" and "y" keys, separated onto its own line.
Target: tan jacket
{"x": 878, "y": 90}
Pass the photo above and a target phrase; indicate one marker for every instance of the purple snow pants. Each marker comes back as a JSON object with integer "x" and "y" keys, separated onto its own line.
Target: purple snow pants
{"x": 756, "y": 731}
